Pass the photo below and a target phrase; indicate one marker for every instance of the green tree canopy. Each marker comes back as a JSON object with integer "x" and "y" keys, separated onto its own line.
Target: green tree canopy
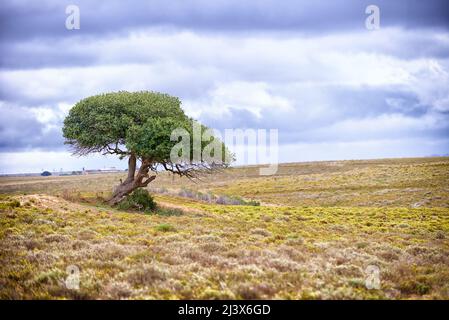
{"x": 138, "y": 125}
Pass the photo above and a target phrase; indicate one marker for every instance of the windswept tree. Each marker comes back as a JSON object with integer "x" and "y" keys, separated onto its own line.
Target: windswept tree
{"x": 149, "y": 129}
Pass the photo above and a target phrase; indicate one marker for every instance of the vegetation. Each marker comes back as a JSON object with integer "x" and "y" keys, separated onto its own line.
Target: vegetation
{"x": 139, "y": 200}
{"x": 139, "y": 126}
{"x": 311, "y": 244}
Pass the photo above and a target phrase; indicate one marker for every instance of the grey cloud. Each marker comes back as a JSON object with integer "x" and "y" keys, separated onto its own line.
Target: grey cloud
{"x": 20, "y": 130}
{"x": 236, "y": 118}
{"x": 295, "y": 53}
{"x": 30, "y": 19}
{"x": 242, "y": 54}
{"x": 35, "y": 54}
{"x": 400, "y": 112}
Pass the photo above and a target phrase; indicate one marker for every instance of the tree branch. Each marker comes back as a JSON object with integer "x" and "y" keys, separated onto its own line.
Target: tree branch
{"x": 147, "y": 181}
{"x": 131, "y": 167}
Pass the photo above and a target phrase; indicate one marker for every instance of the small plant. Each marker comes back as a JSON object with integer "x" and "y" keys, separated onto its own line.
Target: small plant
{"x": 252, "y": 203}
{"x": 236, "y": 201}
{"x": 187, "y": 193}
{"x": 167, "y": 212}
{"x": 164, "y": 227}
{"x": 440, "y": 234}
{"x": 9, "y": 205}
{"x": 414, "y": 287}
{"x": 139, "y": 200}
{"x": 14, "y": 204}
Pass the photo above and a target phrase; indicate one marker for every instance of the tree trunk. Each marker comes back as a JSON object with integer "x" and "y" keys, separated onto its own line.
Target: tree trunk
{"x": 133, "y": 181}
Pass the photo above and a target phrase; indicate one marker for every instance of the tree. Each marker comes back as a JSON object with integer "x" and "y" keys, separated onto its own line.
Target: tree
{"x": 139, "y": 126}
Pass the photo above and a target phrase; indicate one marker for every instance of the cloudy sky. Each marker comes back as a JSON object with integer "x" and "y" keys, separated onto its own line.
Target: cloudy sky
{"x": 311, "y": 69}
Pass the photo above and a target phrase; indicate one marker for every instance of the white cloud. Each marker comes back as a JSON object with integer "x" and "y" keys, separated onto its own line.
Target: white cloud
{"x": 392, "y": 125}
{"x": 254, "y": 97}
{"x": 342, "y": 88}
{"x": 182, "y": 62}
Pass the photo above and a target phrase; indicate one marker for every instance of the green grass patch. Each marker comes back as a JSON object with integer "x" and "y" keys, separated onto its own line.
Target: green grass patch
{"x": 165, "y": 227}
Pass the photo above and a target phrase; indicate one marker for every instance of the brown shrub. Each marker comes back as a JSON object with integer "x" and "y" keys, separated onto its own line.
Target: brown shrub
{"x": 146, "y": 275}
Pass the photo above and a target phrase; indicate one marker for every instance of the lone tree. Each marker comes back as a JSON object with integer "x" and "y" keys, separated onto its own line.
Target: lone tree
{"x": 139, "y": 126}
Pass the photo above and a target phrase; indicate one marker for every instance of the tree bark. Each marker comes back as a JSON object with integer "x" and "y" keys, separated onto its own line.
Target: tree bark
{"x": 132, "y": 162}
{"x": 133, "y": 181}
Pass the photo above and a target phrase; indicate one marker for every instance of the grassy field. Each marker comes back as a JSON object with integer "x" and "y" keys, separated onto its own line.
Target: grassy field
{"x": 318, "y": 227}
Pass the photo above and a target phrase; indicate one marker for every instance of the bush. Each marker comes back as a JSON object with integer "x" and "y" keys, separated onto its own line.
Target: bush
{"x": 9, "y": 205}
{"x": 236, "y": 201}
{"x": 139, "y": 200}
{"x": 164, "y": 227}
{"x": 186, "y": 193}
{"x": 252, "y": 203}
{"x": 209, "y": 197}
{"x": 14, "y": 204}
{"x": 168, "y": 212}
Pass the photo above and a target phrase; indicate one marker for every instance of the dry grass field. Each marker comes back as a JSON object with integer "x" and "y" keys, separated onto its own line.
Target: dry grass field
{"x": 318, "y": 227}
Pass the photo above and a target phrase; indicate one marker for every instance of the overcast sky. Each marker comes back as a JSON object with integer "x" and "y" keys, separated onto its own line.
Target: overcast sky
{"x": 311, "y": 69}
